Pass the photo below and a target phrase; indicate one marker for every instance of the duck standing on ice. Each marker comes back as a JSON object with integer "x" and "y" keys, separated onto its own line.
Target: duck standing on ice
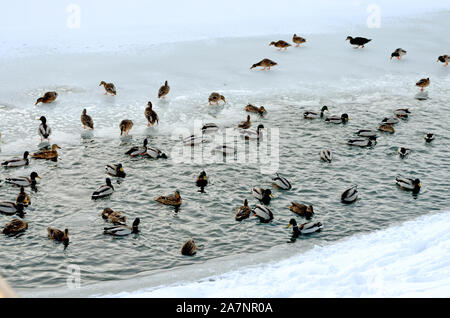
{"x": 298, "y": 40}
{"x": 444, "y": 59}
{"x": 398, "y": 53}
{"x": 424, "y": 82}
{"x": 266, "y": 64}
{"x": 109, "y": 88}
{"x": 48, "y": 97}
{"x": 358, "y": 41}
{"x": 280, "y": 45}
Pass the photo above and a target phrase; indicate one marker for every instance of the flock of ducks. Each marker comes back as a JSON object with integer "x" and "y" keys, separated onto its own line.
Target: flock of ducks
{"x": 261, "y": 210}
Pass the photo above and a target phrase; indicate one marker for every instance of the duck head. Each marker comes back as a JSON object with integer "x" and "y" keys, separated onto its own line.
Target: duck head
{"x": 292, "y": 222}
{"x": 345, "y": 118}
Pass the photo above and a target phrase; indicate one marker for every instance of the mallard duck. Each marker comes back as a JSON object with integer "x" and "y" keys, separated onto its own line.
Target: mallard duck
{"x": 48, "y": 97}
{"x": 109, "y": 88}
{"x": 44, "y": 130}
{"x": 253, "y": 109}
{"x": 302, "y": 209}
{"x": 224, "y": 150}
{"x": 265, "y": 63}
{"x": 402, "y": 112}
{"x": 371, "y": 141}
{"x": 298, "y": 40}
{"x": 123, "y": 230}
{"x": 387, "y": 128}
{"x": 155, "y": 153}
{"x": 262, "y": 195}
{"x": 17, "y": 162}
{"x": 114, "y": 216}
{"x": 350, "y": 195}
{"x": 189, "y": 248}
{"x": 164, "y": 90}
{"x": 338, "y": 119}
{"x": 47, "y": 154}
{"x": 24, "y": 181}
{"x": 390, "y": 121}
{"x": 281, "y": 182}
{"x": 252, "y": 134}
{"x": 193, "y": 140}
{"x": 429, "y": 137}
{"x": 408, "y": 184}
{"x": 58, "y": 235}
{"x": 11, "y": 208}
{"x": 424, "y": 82}
{"x": 138, "y": 150}
{"x": 314, "y": 115}
{"x": 326, "y": 155}
{"x": 243, "y": 212}
{"x": 216, "y": 98}
{"x": 305, "y": 228}
{"x": 104, "y": 190}
{"x": 151, "y": 115}
{"x": 87, "y": 120}
{"x": 366, "y": 133}
{"x": 209, "y": 128}
{"x": 202, "y": 181}
{"x": 263, "y": 213}
{"x": 280, "y": 44}
{"x": 23, "y": 198}
{"x": 174, "y": 199}
{"x": 358, "y": 41}
{"x": 115, "y": 170}
{"x": 125, "y": 126}
{"x": 403, "y": 152}
{"x": 444, "y": 59}
{"x": 14, "y": 226}
{"x": 398, "y": 53}
{"x": 245, "y": 124}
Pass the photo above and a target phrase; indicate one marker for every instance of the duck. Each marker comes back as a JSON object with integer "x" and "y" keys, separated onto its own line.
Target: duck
{"x": 281, "y": 182}
{"x": 408, "y": 184}
{"x": 17, "y": 162}
{"x": 123, "y": 230}
{"x": 262, "y": 195}
{"x": 386, "y": 128}
{"x": 114, "y": 216}
{"x": 44, "y": 130}
{"x": 402, "y": 112}
{"x": 164, "y": 90}
{"x": 398, "y": 53}
{"x": 263, "y": 213}
{"x": 248, "y": 134}
{"x": 326, "y": 155}
{"x": 403, "y": 152}
{"x": 422, "y": 83}
{"x": 390, "y": 121}
{"x": 265, "y": 63}
{"x": 155, "y": 153}
{"x": 87, "y": 120}
{"x": 350, "y": 195}
{"x": 429, "y": 137}
{"x": 104, "y": 190}
{"x": 366, "y": 133}
{"x": 23, "y": 198}
{"x": 115, "y": 170}
{"x": 302, "y": 209}
{"x": 138, "y": 150}
{"x": 109, "y": 88}
{"x": 245, "y": 124}
{"x": 193, "y": 140}
{"x": 298, "y": 40}
{"x": 202, "y": 181}
{"x": 189, "y": 248}
{"x": 14, "y": 226}
{"x": 151, "y": 115}
{"x": 253, "y": 109}
{"x": 280, "y": 44}
{"x": 24, "y": 181}
{"x": 243, "y": 212}
{"x": 444, "y": 59}
{"x": 371, "y": 141}
{"x": 224, "y": 150}
{"x": 125, "y": 126}
{"x": 48, "y": 97}
{"x": 47, "y": 154}
{"x": 11, "y": 208}
{"x": 209, "y": 128}
{"x": 338, "y": 120}
{"x": 305, "y": 228}
{"x": 174, "y": 200}
{"x": 358, "y": 41}
{"x": 216, "y": 98}
{"x": 314, "y": 115}
{"x": 58, "y": 235}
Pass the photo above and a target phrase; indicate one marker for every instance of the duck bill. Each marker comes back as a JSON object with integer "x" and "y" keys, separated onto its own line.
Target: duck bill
{"x": 288, "y": 226}
{"x": 271, "y": 195}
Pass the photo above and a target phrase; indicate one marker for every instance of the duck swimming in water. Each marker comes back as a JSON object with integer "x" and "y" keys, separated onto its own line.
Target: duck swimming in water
{"x": 262, "y": 195}
{"x": 408, "y": 184}
{"x": 163, "y": 90}
{"x": 371, "y": 141}
{"x": 151, "y": 115}
{"x": 11, "y": 208}
{"x": 125, "y": 126}
{"x": 326, "y": 155}
{"x": 23, "y": 198}
{"x": 350, "y": 195}
{"x": 245, "y": 124}
{"x": 24, "y": 181}
{"x": 58, "y": 235}
{"x": 305, "y": 228}
{"x": 202, "y": 181}
{"x": 390, "y": 121}
{"x": 253, "y": 109}
{"x": 14, "y": 226}
{"x": 298, "y": 40}
{"x": 243, "y": 212}
{"x": 314, "y": 115}
{"x": 155, "y": 153}
{"x": 87, "y": 120}
{"x": 398, "y": 53}
{"x": 47, "y": 154}
{"x": 386, "y": 128}
{"x": 366, "y": 133}
{"x": 17, "y": 162}
{"x": 265, "y": 63}
{"x": 429, "y": 137}
{"x": 358, "y": 41}
{"x": 281, "y": 182}
{"x": 280, "y": 44}
{"x": 216, "y": 98}
{"x": 263, "y": 213}
{"x": 444, "y": 59}
{"x": 189, "y": 248}
{"x": 343, "y": 119}
{"x": 248, "y": 134}
{"x": 114, "y": 217}
{"x": 209, "y": 128}
{"x": 109, "y": 88}
{"x": 424, "y": 82}
{"x": 123, "y": 230}
{"x": 44, "y": 130}
{"x": 302, "y": 209}
{"x": 48, "y": 97}
{"x": 104, "y": 190}
{"x": 115, "y": 170}
{"x": 403, "y": 152}
{"x": 402, "y": 112}
{"x": 174, "y": 200}
{"x": 138, "y": 150}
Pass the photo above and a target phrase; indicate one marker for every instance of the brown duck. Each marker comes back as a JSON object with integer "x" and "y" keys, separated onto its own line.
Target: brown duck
{"x": 253, "y": 109}
{"x": 114, "y": 216}
{"x": 298, "y": 40}
{"x": 23, "y": 197}
{"x": 48, "y": 97}
{"x": 174, "y": 199}
{"x": 216, "y": 98}
{"x": 58, "y": 235}
{"x": 86, "y": 120}
{"x": 424, "y": 82}
{"x": 151, "y": 115}
{"x": 189, "y": 248}
{"x": 47, "y": 154}
{"x": 302, "y": 210}
{"x": 243, "y": 212}
{"x": 280, "y": 45}
{"x": 14, "y": 226}
{"x": 245, "y": 124}
{"x": 266, "y": 64}
{"x": 109, "y": 88}
{"x": 164, "y": 90}
{"x": 125, "y": 126}
{"x": 387, "y": 128}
